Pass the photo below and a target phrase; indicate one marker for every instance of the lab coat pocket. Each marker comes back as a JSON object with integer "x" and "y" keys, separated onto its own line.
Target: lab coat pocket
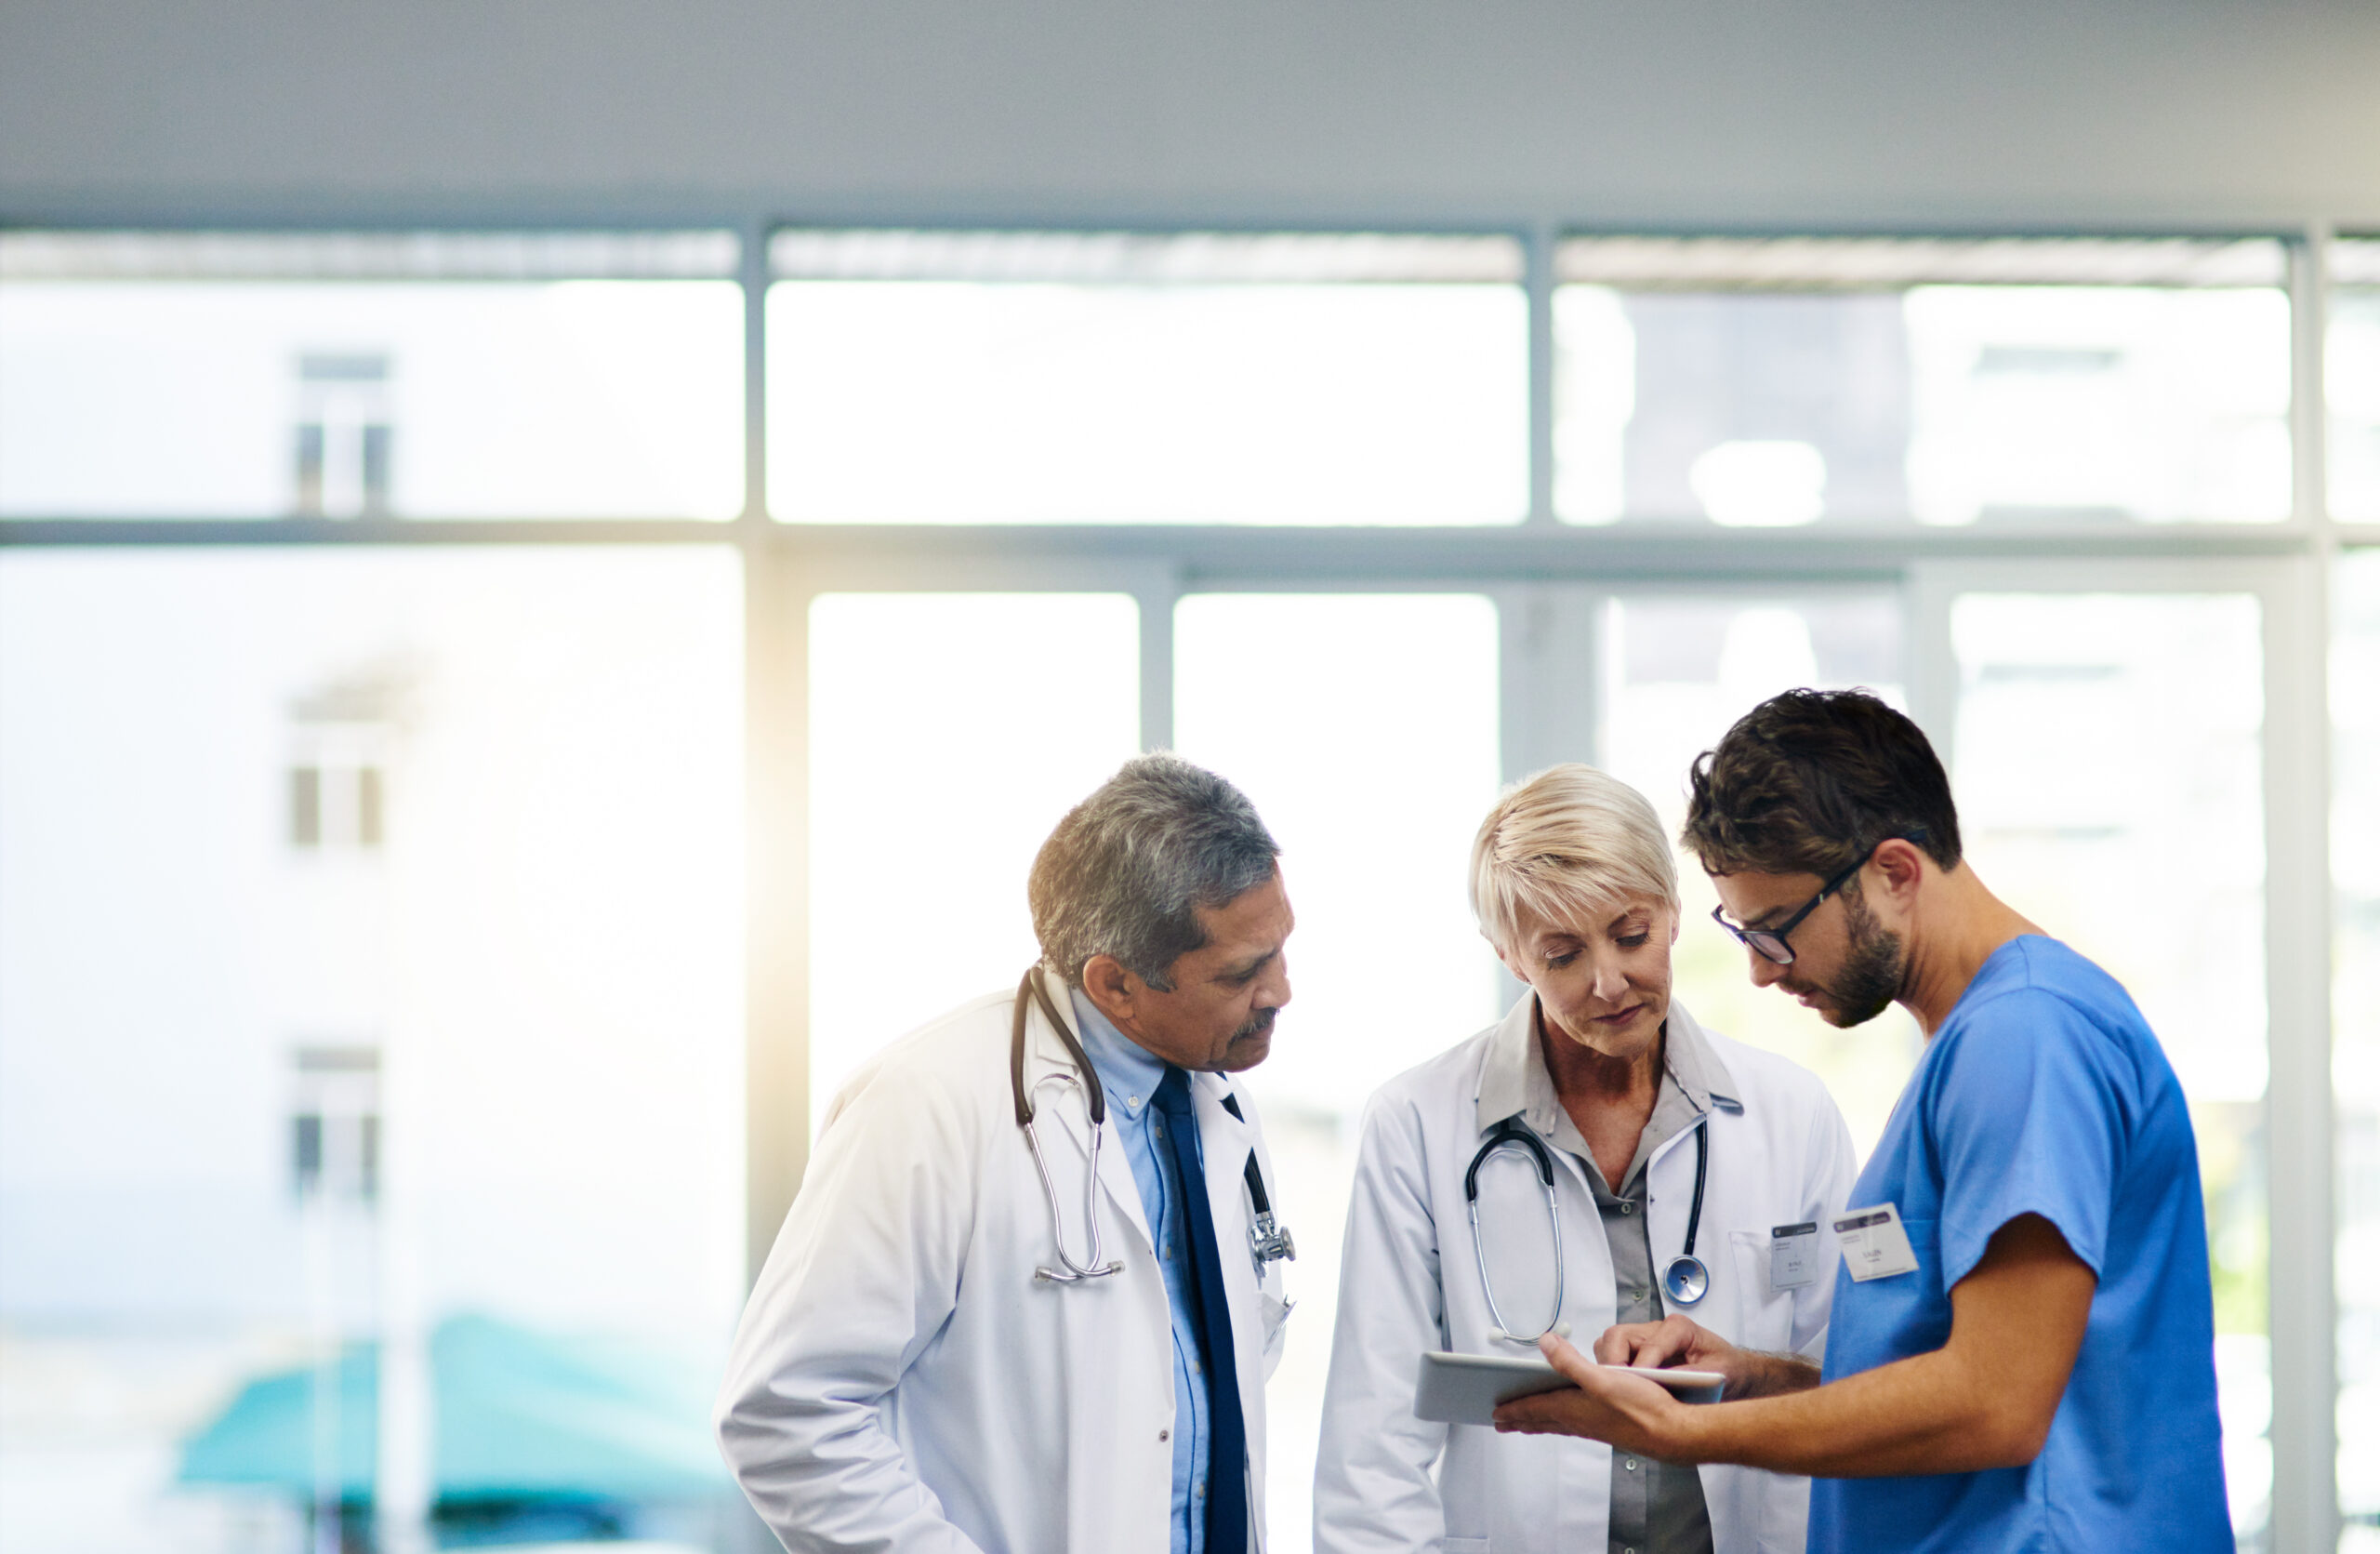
{"x": 1767, "y": 1313}
{"x": 1275, "y": 1312}
{"x": 1466, "y": 1545}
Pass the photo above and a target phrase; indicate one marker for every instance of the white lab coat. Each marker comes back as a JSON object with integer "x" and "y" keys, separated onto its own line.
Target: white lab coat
{"x": 902, "y": 1382}
{"x": 1410, "y": 1282}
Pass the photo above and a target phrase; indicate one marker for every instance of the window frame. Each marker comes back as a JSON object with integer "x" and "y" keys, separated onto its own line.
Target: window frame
{"x": 1548, "y": 580}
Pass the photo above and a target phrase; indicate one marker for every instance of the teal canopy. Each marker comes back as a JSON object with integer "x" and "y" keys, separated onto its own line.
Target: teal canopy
{"x": 518, "y": 1415}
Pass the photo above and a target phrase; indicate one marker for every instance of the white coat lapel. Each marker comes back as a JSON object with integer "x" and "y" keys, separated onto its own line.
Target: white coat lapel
{"x": 1225, "y": 1141}
{"x": 1046, "y": 1054}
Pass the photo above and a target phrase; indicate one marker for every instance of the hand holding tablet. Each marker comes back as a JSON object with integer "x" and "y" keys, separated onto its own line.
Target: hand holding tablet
{"x": 1465, "y": 1389}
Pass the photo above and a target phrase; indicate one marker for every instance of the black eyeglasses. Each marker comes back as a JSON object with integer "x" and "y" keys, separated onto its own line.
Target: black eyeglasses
{"x": 1769, "y": 943}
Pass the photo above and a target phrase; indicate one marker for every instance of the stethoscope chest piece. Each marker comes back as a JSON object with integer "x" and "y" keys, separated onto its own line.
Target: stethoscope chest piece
{"x": 1686, "y": 1280}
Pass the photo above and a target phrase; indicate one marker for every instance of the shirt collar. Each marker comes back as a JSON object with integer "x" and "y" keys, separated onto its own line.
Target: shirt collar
{"x": 1128, "y": 1071}
{"x": 1515, "y": 1083}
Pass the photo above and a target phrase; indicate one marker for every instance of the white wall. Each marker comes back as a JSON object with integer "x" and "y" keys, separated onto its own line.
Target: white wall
{"x": 1682, "y": 112}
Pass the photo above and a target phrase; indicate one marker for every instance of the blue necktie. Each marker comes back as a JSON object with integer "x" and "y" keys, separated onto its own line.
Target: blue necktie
{"x": 1227, "y": 1433}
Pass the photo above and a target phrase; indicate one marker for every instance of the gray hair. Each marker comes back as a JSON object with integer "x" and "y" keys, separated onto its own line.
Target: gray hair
{"x": 1126, "y": 870}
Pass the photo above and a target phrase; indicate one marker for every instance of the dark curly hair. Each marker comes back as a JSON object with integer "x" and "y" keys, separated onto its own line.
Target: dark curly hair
{"x": 1808, "y": 781}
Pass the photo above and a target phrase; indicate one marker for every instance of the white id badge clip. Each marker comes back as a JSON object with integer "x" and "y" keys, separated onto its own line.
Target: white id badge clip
{"x": 1793, "y": 1257}
{"x": 1874, "y": 1246}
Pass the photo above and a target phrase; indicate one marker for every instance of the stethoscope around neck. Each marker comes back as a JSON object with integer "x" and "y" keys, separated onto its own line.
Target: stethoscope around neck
{"x": 1685, "y": 1280}
{"x": 1268, "y": 1241}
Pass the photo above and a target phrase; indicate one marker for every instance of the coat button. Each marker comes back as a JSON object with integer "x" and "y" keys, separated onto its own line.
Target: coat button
{"x": 1165, "y": 1435}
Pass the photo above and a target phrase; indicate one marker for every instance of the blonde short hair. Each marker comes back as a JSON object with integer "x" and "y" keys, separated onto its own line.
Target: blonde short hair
{"x": 1565, "y": 843}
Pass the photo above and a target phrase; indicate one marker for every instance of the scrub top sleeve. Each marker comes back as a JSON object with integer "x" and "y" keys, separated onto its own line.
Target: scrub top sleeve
{"x": 2028, "y": 1116}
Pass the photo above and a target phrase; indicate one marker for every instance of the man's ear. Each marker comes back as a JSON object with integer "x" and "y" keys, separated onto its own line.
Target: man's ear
{"x": 1902, "y": 866}
{"x": 1113, "y": 989}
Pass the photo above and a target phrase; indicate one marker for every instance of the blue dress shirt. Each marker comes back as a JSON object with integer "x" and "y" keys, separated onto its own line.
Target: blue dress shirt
{"x": 1130, "y": 1074}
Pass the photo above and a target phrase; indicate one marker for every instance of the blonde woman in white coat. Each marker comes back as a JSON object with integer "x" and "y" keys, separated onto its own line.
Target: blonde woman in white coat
{"x": 1624, "y": 1094}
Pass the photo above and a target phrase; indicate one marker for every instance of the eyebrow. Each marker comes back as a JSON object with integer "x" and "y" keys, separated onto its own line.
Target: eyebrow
{"x": 1247, "y": 969}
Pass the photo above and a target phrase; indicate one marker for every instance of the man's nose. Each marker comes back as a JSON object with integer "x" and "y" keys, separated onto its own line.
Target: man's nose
{"x": 1277, "y": 993}
{"x": 1764, "y": 972}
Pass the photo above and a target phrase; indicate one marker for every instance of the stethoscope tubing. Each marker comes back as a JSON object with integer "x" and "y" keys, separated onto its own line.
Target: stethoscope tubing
{"x": 1268, "y": 1240}
{"x": 1095, "y": 1102}
{"x": 1512, "y": 1135}
{"x": 1684, "y": 1279}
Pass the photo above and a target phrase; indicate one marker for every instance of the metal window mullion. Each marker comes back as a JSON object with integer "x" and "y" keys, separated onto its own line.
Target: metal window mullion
{"x": 1540, "y": 248}
{"x": 776, "y": 850}
{"x": 2299, "y": 1115}
{"x": 2309, "y": 302}
{"x": 2299, "y": 1111}
{"x": 754, "y": 275}
{"x": 1549, "y": 673}
{"x": 1156, "y": 600}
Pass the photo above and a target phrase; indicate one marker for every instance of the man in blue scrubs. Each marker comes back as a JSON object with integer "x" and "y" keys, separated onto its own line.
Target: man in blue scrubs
{"x": 2022, "y": 1348}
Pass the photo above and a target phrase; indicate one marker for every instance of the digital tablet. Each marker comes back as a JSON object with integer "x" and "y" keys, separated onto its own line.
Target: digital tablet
{"x": 1465, "y": 1389}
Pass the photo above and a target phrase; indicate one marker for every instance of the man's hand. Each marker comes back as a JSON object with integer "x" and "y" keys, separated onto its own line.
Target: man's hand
{"x": 1678, "y": 1341}
{"x": 1629, "y": 1412}
{"x": 1671, "y": 1341}
{"x": 1986, "y": 1398}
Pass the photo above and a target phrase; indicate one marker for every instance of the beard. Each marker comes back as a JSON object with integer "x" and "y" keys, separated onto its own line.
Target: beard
{"x": 1873, "y": 971}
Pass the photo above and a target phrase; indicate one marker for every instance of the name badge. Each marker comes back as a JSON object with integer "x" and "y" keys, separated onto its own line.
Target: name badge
{"x": 1792, "y": 1256}
{"x": 1874, "y": 1246}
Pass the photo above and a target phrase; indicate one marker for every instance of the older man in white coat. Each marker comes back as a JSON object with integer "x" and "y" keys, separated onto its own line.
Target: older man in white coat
{"x": 1013, "y": 1311}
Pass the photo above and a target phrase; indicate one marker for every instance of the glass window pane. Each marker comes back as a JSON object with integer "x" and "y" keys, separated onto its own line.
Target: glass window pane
{"x": 2109, "y": 787}
{"x": 1364, "y": 728}
{"x": 448, "y": 1081}
{"x": 1678, "y": 670}
{"x": 2354, "y": 863}
{"x": 1765, "y": 383}
{"x": 426, "y": 377}
{"x": 2351, "y": 370}
{"x": 1021, "y": 377}
{"x": 939, "y": 760}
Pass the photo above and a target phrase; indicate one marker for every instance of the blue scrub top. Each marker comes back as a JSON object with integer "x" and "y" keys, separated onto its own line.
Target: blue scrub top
{"x": 2045, "y": 1093}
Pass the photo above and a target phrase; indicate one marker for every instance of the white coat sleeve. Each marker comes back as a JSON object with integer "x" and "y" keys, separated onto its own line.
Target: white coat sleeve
{"x": 1831, "y": 1167}
{"x": 1374, "y": 1485}
{"x": 863, "y": 1275}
